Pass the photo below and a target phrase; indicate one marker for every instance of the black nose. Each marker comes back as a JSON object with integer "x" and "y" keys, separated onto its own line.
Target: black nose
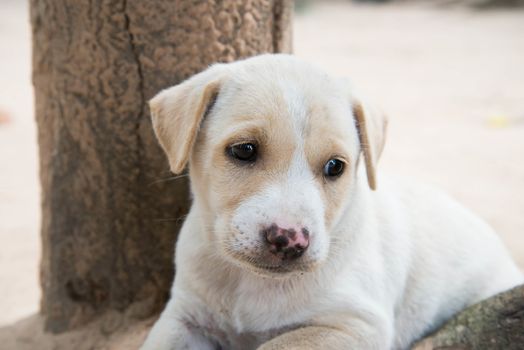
{"x": 288, "y": 243}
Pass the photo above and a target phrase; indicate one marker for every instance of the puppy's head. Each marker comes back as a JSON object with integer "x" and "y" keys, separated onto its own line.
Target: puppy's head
{"x": 273, "y": 146}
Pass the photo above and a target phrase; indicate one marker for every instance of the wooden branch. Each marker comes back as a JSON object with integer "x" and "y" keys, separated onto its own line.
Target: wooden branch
{"x": 495, "y": 323}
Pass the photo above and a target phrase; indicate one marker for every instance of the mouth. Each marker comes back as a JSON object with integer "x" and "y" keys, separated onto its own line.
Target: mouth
{"x": 272, "y": 266}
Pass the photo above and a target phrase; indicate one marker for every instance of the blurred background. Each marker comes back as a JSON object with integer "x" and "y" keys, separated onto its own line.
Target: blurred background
{"x": 450, "y": 75}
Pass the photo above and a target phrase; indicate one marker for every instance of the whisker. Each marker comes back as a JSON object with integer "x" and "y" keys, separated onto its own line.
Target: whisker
{"x": 171, "y": 178}
{"x": 178, "y": 219}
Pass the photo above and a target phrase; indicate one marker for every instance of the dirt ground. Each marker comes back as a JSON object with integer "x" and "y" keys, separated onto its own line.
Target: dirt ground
{"x": 451, "y": 80}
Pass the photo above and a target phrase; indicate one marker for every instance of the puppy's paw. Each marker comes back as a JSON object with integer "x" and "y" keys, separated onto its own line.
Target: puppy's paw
{"x": 285, "y": 347}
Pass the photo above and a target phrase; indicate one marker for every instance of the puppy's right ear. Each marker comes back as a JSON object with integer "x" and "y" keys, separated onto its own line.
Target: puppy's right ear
{"x": 371, "y": 125}
{"x": 178, "y": 111}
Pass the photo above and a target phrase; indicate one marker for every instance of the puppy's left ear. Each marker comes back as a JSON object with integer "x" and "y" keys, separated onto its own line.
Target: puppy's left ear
{"x": 178, "y": 111}
{"x": 371, "y": 125}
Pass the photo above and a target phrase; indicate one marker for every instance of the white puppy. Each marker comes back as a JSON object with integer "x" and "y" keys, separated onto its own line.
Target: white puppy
{"x": 287, "y": 246}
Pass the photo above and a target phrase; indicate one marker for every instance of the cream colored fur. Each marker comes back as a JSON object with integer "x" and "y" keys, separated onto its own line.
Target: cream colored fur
{"x": 383, "y": 268}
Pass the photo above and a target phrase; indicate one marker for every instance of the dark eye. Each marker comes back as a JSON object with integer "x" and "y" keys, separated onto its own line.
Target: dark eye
{"x": 246, "y": 152}
{"x": 333, "y": 168}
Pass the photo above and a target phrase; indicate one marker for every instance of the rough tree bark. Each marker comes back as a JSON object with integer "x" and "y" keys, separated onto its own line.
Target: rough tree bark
{"x": 109, "y": 217}
{"x": 493, "y": 324}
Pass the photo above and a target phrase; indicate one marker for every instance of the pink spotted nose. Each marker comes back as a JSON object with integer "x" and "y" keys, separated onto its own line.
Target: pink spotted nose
{"x": 288, "y": 243}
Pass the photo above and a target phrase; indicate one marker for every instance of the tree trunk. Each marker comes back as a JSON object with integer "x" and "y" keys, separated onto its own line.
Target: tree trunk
{"x": 493, "y": 324}
{"x": 110, "y": 209}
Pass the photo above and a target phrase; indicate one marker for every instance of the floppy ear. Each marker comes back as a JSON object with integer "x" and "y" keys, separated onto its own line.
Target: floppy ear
{"x": 178, "y": 111}
{"x": 371, "y": 125}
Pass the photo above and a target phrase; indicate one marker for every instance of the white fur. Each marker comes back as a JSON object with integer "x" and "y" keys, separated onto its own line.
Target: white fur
{"x": 396, "y": 263}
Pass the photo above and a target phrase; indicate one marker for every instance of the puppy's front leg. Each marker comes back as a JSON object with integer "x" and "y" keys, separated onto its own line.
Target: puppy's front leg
{"x": 169, "y": 333}
{"x": 326, "y": 338}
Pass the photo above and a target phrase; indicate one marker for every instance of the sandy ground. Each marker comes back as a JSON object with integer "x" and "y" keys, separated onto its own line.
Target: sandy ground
{"x": 19, "y": 187}
{"x": 452, "y": 81}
